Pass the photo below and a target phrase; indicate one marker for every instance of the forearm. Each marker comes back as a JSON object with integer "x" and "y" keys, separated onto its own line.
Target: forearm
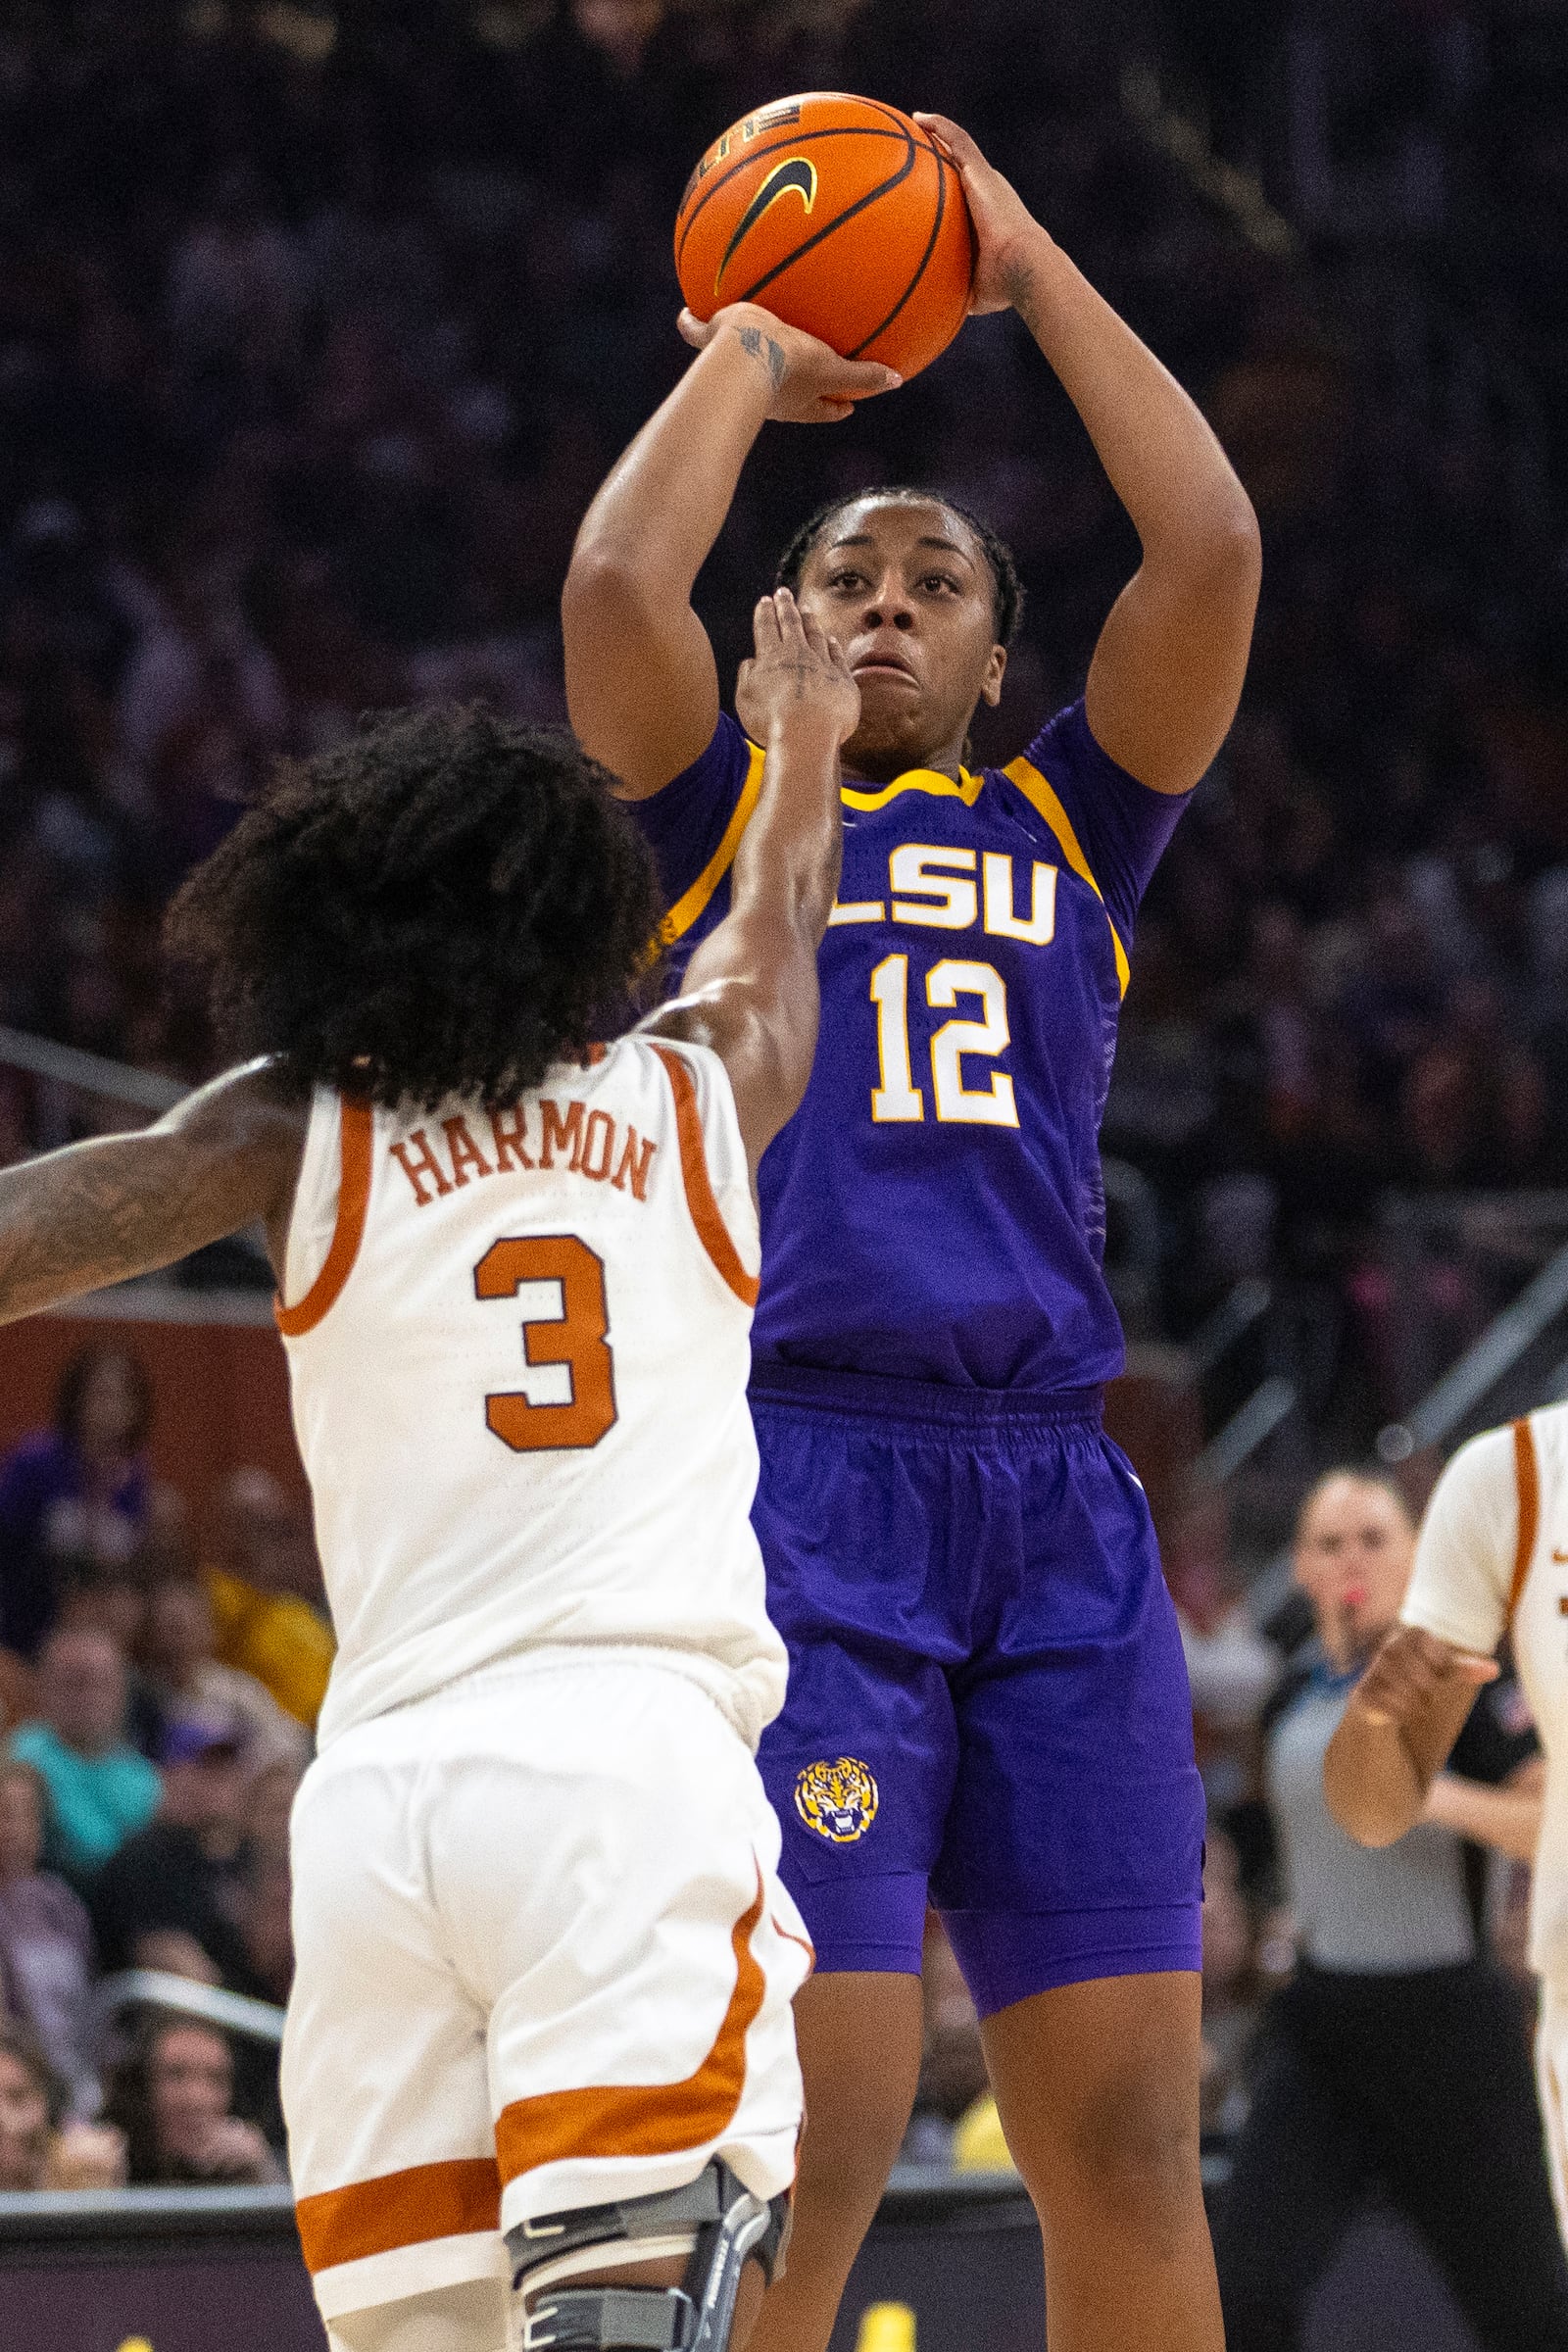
{"x": 656, "y": 517}
{"x": 787, "y": 866}
{"x": 1163, "y": 461}
{"x": 1506, "y": 1819}
{"x": 1374, "y": 1789}
{"x": 102, "y": 1211}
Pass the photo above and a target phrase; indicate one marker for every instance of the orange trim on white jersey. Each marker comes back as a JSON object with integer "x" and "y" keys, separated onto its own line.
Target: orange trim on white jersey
{"x": 356, "y": 1122}
{"x": 1527, "y": 1481}
{"x": 711, "y": 1230}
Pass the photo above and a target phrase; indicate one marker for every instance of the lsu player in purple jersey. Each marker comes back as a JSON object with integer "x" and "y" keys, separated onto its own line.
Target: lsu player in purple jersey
{"x": 987, "y": 1702}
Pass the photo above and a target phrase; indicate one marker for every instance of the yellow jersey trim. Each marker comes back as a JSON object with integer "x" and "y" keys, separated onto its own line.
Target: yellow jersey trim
{"x": 691, "y": 903}
{"x": 965, "y": 788}
{"x": 1038, "y": 793}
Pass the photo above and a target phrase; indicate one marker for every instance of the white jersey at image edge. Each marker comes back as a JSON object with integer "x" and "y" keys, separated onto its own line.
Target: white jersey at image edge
{"x": 1493, "y": 1559}
{"x": 518, "y": 1353}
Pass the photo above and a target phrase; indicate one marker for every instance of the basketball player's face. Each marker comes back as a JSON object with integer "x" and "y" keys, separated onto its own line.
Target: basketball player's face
{"x": 905, "y": 588}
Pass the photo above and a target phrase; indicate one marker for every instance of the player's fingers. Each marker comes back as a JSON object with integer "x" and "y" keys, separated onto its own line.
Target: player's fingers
{"x": 834, "y": 412}
{"x": 697, "y": 332}
{"x": 791, "y": 629}
{"x": 816, "y": 637}
{"x": 1473, "y": 1669}
{"x": 862, "y": 379}
{"x": 765, "y": 625}
{"x": 952, "y": 137}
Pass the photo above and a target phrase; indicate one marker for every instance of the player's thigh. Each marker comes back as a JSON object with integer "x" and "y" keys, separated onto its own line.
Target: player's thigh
{"x": 608, "y": 1873}
{"x": 1073, "y": 1848}
{"x": 384, "y": 2087}
{"x": 855, "y": 1518}
{"x": 1097, "y": 2088}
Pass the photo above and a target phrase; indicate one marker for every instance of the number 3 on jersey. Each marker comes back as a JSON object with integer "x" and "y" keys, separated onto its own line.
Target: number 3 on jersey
{"x": 897, "y": 1098}
{"x": 576, "y": 1337}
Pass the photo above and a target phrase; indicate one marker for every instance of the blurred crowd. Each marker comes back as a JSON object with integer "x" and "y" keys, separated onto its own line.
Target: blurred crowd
{"x": 318, "y": 327}
{"x": 160, "y": 1679}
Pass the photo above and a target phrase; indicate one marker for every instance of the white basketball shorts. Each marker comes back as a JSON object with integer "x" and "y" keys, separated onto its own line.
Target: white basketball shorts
{"x": 544, "y": 1960}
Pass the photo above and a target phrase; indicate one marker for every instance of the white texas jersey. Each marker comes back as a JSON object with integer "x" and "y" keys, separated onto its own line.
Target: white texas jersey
{"x": 1493, "y": 1559}
{"x": 518, "y": 1347}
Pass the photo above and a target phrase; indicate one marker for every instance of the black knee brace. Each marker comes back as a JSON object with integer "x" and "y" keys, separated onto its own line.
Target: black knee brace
{"x": 713, "y": 2219}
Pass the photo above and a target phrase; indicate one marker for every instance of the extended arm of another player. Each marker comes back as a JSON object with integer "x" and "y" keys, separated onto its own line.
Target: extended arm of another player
{"x": 751, "y": 989}
{"x": 123, "y": 1205}
{"x": 1507, "y": 1819}
{"x": 1403, "y": 1718}
{"x": 642, "y": 688}
{"x": 1168, "y": 669}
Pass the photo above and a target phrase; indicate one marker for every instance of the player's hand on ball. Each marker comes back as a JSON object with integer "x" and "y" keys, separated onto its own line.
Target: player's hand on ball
{"x": 1003, "y": 225}
{"x": 810, "y": 383}
{"x": 1411, "y": 1666}
{"x": 796, "y": 676}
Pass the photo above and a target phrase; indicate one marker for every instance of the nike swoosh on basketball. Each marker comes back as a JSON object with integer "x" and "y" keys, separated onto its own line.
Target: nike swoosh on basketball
{"x": 797, "y": 173}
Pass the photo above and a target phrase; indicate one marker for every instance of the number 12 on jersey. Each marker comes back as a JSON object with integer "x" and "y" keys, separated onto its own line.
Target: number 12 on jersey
{"x": 897, "y": 1098}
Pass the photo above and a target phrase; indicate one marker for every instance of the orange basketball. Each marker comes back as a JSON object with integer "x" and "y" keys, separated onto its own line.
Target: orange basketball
{"x": 839, "y": 215}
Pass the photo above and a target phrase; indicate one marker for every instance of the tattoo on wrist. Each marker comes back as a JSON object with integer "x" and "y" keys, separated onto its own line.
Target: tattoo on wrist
{"x": 762, "y": 347}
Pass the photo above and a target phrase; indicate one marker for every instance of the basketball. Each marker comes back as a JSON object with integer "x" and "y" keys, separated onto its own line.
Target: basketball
{"x": 839, "y": 214}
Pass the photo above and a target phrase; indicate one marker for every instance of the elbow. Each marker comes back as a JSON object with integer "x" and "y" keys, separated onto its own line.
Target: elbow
{"x": 607, "y": 580}
{"x": 1229, "y": 550}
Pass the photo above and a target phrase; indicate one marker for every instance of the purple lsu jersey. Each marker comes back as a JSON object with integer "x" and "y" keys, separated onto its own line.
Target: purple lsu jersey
{"x": 934, "y": 1209}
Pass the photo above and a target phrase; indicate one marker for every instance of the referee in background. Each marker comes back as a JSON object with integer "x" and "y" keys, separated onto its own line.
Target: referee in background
{"x": 1396, "y": 2058}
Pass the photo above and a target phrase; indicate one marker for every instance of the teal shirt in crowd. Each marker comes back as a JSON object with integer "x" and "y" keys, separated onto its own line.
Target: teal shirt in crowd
{"x": 95, "y": 1802}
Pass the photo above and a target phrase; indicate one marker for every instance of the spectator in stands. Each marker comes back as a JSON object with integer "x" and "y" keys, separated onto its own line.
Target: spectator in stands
{"x": 177, "y": 1655}
{"x": 39, "y": 2147}
{"x": 171, "y": 1896}
{"x": 1396, "y": 2057}
{"x": 79, "y": 1492}
{"x": 173, "y": 2098}
{"x": 264, "y": 1585}
{"x": 46, "y": 1947}
{"x": 100, "y": 1789}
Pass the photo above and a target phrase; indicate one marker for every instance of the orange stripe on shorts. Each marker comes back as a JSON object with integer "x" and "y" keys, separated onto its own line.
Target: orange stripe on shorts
{"x": 644, "y": 2119}
{"x": 400, "y": 2208}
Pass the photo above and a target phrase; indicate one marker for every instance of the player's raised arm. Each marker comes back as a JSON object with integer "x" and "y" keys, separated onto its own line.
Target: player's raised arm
{"x": 123, "y": 1205}
{"x": 1168, "y": 673}
{"x": 641, "y": 685}
{"x": 751, "y": 990}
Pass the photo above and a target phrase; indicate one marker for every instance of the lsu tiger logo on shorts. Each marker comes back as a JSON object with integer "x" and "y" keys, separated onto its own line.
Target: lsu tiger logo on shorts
{"x": 838, "y": 1800}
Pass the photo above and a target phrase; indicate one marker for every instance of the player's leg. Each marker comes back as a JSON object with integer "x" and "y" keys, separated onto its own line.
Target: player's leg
{"x": 1097, "y": 2088}
{"x": 1070, "y": 1881}
{"x": 637, "y": 1956}
{"x": 851, "y": 1512}
{"x": 860, "y": 2037}
{"x": 391, "y": 2143}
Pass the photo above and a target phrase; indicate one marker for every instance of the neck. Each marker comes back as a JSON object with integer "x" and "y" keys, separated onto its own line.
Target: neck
{"x": 885, "y": 768}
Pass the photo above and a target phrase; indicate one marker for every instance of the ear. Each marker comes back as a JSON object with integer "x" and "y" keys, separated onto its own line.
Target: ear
{"x": 990, "y": 686}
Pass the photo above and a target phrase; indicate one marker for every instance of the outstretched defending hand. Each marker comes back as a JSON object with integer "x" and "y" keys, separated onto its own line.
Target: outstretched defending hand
{"x": 796, "y": 673}
{"x": 1003, "y": 225}
{"x": 1408, "y": 1672}
{"x": 812, "y": 385}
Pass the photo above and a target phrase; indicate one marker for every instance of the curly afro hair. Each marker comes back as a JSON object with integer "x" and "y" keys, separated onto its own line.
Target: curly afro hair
{"x": 1007, "y": 587}
{"x": 445, "y": 905}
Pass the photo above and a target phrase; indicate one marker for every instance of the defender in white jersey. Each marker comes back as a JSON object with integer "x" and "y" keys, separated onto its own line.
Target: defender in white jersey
{"x": 540, "y": 2032}
{"x": 1492, "y": 1561}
